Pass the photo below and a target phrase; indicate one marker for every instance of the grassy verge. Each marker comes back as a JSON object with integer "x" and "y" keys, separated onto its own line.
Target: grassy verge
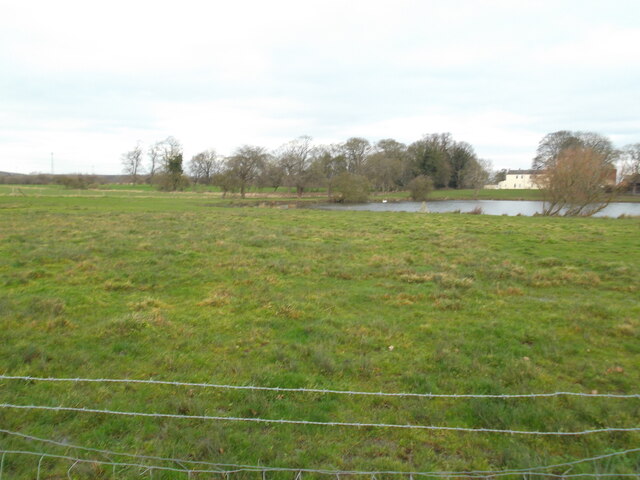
{"x": 172, "y": 287}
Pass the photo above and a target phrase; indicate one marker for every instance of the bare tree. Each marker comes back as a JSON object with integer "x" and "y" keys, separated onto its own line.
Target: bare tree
{"x": 166, "y": 157}
{"x": 169, "y": 149}
{"x": 387, "y": 167}
{"x": 355, "y": 151}
{"x": 226, "y": 180}
{"x": 475, "y": 174}
{"x": 132, "y": 163}
{"x": 576, "y": 182}
{"x": 630, "y": 168}
{"x": 553, "y": 144}
{"x": 204, "y": 166}
{"x": 272, "y": 175}
{"x": 576, "y": 172}
{"x": 153, "y": 155}
{"x": 295, "y": 158}
{"x": 245, "y": 165}
{"x": 330, "y": 162}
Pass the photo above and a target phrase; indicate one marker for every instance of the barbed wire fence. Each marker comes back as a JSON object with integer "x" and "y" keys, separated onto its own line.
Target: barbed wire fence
{"x": 316, "y": 390}
{"x": 199, "y": 466}
{"x": 146, "y": 465}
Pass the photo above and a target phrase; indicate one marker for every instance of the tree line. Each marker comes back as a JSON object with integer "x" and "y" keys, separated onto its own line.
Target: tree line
{"x": 355, "y": 165}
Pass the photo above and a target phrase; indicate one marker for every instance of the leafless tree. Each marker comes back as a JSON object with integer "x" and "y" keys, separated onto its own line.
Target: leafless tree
{"x": 330, "y": 162}
{"x": 204, "y": 166}
{"x": 132, "y": 163}
{"x": 630, "y": 167}
{"x": 169, "y": 149}
{"x": 153, "y": 154}
{"x": 475, "y": 174}
{"x": 355, "y": 151}
{"x": 388, "y": 167}
{"x": 295, "y": 159}
{"x": 165, "y": 169}
{"x": 576, "y": 182}
{"x": 272, "y": 174}
{"x": 553, "y": 144}
{"x": 245, "y": 165}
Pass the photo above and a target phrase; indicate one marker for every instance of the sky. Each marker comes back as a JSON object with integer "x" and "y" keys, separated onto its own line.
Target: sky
{"x": 87, "y": 81}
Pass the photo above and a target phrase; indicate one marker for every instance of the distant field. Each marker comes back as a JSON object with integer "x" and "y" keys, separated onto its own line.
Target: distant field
{"x": 123, "y": 190}
{"x": 133, "y": 283}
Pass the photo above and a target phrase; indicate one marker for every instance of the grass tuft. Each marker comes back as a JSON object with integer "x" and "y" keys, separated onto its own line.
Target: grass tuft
{"x": 216, "y": 299}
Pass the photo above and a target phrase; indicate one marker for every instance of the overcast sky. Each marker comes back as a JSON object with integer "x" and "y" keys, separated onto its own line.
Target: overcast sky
{"x": 88, "y": 80}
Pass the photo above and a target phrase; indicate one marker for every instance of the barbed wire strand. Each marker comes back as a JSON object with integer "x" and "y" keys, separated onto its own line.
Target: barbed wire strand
{"x": 471, "y": 475}
{"x": 316, "y": 390}
{"x": 122, "y": 454}
{"x": 329, "y": 472}
{"x": 71, "y": 468}
{"x": 39, "y": 466}
{"x": 310, "y": 422}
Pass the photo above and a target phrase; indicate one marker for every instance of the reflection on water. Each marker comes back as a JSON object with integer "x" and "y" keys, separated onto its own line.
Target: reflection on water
{"x": 489, "y": 207}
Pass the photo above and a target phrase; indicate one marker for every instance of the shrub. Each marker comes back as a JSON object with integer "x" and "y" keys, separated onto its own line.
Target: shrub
{"x": 168, "y": 182}
{"x": 420, "y": 188}
{"x": 350, "y": 188}
{"x": 79, "y": 182}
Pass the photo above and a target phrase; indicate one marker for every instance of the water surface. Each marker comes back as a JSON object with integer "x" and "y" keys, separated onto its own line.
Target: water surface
{"x": 489, "y": 207}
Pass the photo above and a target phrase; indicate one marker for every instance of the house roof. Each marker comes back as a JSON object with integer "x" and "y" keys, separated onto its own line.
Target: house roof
{"x": 521, "y": 172}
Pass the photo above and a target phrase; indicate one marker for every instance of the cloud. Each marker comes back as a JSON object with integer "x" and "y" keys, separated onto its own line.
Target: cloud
{"x": 228, "y": 124}
{"x": 605, "y": 47}
{"x": 92, "y": 79}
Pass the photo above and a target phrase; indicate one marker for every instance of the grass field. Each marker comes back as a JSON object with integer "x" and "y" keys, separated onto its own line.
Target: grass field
{"x": 179, "y": 287}
{"x": 260, "y": 194}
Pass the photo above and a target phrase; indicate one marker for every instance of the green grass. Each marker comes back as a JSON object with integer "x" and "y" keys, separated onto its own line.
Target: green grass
{"x": 173, "y": 287}
{"x": 282, "y": 194}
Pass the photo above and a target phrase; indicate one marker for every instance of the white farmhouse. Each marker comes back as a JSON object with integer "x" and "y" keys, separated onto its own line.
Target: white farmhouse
{"x": 519, "y": 179}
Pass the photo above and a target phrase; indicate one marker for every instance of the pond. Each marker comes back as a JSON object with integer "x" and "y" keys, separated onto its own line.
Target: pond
{"x": 489, "y": 207}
